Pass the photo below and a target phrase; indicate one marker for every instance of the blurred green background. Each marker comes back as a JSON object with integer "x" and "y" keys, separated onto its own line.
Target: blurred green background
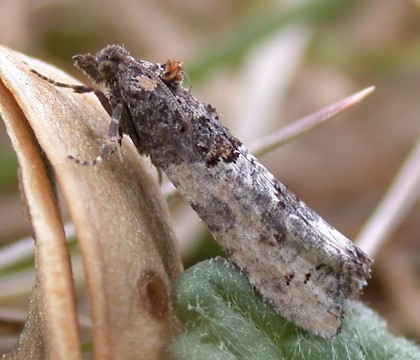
{"x": 262, "y": 64}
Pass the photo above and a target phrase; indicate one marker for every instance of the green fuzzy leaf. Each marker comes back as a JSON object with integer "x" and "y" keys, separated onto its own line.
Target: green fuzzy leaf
{"x": 225, "y": 319}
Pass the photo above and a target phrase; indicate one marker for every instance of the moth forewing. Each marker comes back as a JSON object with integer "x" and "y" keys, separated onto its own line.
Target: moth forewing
{"x": 302, "y": 266}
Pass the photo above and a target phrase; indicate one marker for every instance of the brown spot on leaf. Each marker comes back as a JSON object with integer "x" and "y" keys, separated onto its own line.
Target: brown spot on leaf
{"x": 153, "y": 294}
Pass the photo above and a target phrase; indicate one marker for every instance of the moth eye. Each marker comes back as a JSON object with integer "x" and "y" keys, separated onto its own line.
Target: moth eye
{"x": 107, "y": 69}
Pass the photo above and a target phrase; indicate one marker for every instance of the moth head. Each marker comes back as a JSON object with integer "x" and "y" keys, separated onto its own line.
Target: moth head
{"x": 104, "y": 66}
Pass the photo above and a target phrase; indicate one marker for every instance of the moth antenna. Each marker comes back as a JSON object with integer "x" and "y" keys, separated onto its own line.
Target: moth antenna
{"x": 76, "y": 88}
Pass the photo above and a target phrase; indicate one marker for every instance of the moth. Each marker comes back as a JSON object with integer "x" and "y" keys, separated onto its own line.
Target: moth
{"x": 303, "y": 267}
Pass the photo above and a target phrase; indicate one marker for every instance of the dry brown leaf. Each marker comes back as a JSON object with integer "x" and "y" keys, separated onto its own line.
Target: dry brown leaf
{"x": 120, "y": 219}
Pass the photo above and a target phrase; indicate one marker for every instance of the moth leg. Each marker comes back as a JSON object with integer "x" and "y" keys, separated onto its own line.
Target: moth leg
{"x": 79, "y": 89}
{"x": 112, "y": 143}
{"x": 114, "y": 135}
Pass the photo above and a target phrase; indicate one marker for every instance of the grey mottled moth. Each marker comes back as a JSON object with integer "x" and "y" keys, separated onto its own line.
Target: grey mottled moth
{"x": 300, "y": 265}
